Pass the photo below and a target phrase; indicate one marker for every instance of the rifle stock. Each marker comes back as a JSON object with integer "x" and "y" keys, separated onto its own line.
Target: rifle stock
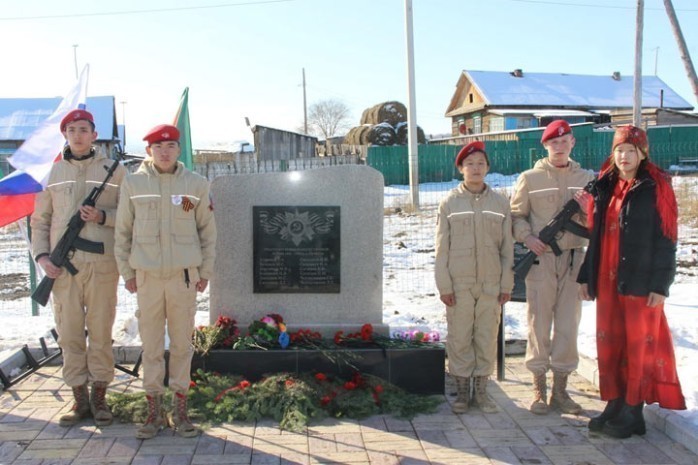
{"x": 43, "y": 291}
{"x": 524, "y": 265}
{"x": 70, "y": 241}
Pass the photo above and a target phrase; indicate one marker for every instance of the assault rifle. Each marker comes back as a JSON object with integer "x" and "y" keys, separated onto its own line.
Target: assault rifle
{"x": 61, "y": 254}
{"x": 552, "y": 231}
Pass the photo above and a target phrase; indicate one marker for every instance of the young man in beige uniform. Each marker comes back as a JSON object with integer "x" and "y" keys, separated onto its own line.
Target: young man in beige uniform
{"x": 473, "y": 269}
{"x": 88, "y": 299}
{"x": 551, "y": 287}
{"x": 165, "y": 248}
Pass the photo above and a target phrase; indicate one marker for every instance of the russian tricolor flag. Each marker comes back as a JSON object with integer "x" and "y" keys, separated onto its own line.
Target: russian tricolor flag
{"x": 35, "y": 157}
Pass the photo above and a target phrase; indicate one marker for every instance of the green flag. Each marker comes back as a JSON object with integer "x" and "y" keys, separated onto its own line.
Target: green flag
{"x": 182, "y": 122}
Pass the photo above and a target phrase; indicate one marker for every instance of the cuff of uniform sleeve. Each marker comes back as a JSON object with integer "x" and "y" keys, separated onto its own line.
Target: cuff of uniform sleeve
{"x": 520, "y": 236}
{"x": 104, "y": 218}
{"x": 38, "y": 257}
{"x": 445, "y": 290}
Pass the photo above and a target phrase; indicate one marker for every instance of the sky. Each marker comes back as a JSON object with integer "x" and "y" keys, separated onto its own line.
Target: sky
{"x": 244, "y": 58}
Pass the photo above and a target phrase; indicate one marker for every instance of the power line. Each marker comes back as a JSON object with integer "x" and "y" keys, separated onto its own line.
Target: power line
{"x": 131, "y": 12}
{"x": 594, "y": 5}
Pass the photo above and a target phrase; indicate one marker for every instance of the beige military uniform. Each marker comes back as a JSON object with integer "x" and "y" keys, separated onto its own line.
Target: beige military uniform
{"x": 551, "y": 287}
{"x": 474, "y": 259}
{"x": 165, "y": 238}
{"x": 88, "y": 299}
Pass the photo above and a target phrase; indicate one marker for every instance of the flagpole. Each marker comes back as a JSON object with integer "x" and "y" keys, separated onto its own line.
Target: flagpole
{"x": 412, "y": 147}
{"x": 75, "y": 59}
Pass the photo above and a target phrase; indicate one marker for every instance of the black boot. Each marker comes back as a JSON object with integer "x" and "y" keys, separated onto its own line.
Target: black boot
{"x": 628, "y": 422}
{"x": 613, "y": 408}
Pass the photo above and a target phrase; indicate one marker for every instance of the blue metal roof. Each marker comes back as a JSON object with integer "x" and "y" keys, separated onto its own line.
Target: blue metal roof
{"x": 571, "y": 90}
{"x": 19, "y": 117}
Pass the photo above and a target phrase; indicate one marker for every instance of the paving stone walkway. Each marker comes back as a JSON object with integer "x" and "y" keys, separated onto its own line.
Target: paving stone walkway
{"x": 30, "y": 435}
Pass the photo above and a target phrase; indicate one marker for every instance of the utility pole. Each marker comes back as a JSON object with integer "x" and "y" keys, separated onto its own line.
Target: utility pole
{"x": 305, "y": 107}
{"x": 412, "y": 148}
{"x": 656, "y": 59}
{"x": 75, "y": 59}
{"x": 685, "y": 56}
{"x": 637, "y": 82}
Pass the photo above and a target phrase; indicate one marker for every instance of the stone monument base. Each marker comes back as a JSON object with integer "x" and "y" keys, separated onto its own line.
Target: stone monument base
{"x": 418, "y": 370}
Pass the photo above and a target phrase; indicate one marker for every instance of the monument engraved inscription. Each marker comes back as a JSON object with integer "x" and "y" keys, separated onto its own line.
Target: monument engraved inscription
{"x": 296, "y": 249}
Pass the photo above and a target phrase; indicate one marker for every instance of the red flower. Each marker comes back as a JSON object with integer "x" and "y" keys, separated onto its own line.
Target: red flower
{"x": 350, "y": 385}
{"x": 276, "y": 317}
{"x": 224, "y": 322}
{"x": 338, "y": 336}
{"x": 244, "y": 384}
{"x": 289, "y": 383}
{"x": 357, "y": 379}
{"x": 224, "y": 392}
{"x": 378, "y": 389}
{"x": 320, "y": 376}
{"x": 367, "y": 332}
{"x": 325, "y": 400}
{"x": 192, "y": 384}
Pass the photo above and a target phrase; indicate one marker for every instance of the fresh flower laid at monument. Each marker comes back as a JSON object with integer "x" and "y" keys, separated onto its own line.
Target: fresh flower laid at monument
{"x": 298, "y": 377}
{"x": 270, "y": 332}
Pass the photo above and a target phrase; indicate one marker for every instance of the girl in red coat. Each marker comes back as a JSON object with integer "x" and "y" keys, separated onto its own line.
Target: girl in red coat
{"x": 629, "y": 266}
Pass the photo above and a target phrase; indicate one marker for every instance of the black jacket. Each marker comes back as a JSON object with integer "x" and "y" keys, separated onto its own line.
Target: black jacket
{"x": 647, "y": 257}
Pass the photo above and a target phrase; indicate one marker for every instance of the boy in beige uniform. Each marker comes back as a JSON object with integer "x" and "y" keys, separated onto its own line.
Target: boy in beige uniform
{"x": 165, "y": 248}
{"x": 551, "y": 287}
{"x": 473, "y": 269}
{"x": 88, "y": 299}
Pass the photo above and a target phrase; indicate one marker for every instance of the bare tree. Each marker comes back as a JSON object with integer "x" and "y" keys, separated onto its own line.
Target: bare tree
{"x": 328, "y": 118}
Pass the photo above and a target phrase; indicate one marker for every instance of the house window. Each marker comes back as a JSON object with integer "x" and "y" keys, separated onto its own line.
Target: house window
{"x": 477, "y": 124}
{"x": 496, "y": 123}
{"x": 525, "y": 123}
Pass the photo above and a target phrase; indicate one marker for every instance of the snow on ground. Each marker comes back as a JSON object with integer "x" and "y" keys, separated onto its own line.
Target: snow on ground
{"x": 410, "y": 299}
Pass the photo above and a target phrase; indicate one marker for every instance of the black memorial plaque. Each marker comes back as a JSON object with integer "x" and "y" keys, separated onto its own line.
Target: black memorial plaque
{"x": 296, "y": 249}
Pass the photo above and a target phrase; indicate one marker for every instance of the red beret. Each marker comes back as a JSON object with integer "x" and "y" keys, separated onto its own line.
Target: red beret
{"x": 76, "y": 115}
{"x": 162, "y": 133}
{"x": 557, "y": 128}
{"x": 631, "y": 135}
{"x": 475, "y": 146}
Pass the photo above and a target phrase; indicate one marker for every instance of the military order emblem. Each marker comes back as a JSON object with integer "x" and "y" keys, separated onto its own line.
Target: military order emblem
{"x": 187, "y": 204}
{"x": 176, "y": 200}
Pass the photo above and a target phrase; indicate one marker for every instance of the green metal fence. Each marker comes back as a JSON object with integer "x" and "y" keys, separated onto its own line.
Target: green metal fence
{"x": 669, "y": 147}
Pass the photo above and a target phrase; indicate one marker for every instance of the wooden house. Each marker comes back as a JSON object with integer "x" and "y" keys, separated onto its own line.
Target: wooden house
{"x": 494, "y": 101}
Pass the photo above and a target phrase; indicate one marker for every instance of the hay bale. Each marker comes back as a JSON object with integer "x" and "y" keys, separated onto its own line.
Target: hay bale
{"x": 351, "y": 136}
{"x": 362, "y": 134}
{"x": 370, "y": 115}
{"x": 366, "y": 116}
{"x": 357, "y": 135}
{"x": 391, "y": 113}
{"x": 401, "y": 131}
{"x": 386, "y": 112}
{"x": 381, "y": 134}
